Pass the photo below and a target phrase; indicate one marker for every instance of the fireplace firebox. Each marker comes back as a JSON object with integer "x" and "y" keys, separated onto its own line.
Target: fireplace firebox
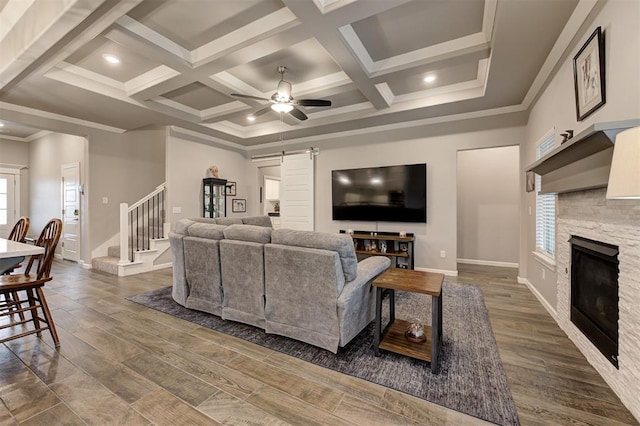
{"x": 594, "y": 293}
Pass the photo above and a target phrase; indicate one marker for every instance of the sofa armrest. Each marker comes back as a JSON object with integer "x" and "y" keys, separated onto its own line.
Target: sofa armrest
{"x": 368, "y": 269}
{"x": 356, "y": 302}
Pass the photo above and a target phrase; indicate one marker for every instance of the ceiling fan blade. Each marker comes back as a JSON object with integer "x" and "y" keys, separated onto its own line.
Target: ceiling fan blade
{"x": 298, "y": 114}
{"x": 240, "y": 95}
{"x": 261, "y": 111}
{"x": 313, "y": 102}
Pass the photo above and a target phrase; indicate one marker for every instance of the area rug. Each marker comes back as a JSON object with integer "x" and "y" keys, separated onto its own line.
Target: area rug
{"x": 470, "y": 378}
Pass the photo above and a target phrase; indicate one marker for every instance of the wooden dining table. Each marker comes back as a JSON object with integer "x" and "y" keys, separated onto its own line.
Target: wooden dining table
{"x": 13, "y": 252}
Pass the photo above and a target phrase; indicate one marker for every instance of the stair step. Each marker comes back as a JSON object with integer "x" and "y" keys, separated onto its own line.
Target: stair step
{"x": 110, "y": 264}
{"x": 114, "y": 251}
{"x": 107, "y": 264}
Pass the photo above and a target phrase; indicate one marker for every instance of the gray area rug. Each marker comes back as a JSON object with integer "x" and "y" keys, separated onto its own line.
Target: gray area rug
{"x": 470, "y": 379}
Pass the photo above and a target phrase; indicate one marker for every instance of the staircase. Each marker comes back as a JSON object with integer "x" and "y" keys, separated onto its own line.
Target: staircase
{"x": 143, "y": 243}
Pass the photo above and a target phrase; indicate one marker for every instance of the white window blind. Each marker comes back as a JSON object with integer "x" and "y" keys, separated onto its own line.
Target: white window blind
{"x": 545, "y": 207}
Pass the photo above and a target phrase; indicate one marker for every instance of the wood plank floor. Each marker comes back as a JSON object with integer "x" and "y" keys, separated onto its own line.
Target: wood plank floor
{"x": 121, "y": 363}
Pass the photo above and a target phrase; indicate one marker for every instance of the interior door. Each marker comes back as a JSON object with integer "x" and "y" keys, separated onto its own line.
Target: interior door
{"x": 71, "y": 211}
{"x": 297, "y": 192}
{"x": 7, "y": 204}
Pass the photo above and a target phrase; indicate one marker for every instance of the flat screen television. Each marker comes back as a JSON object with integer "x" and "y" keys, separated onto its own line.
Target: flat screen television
{"x": 385, "y": 194}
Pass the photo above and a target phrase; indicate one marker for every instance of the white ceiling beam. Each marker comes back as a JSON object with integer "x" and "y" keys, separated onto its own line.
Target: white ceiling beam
{"x": 239, "y": 56}
{"x": 326, "y": 6}
{"x": 324, "y": 27}
{"x": 43, "y": 25}
{"x": 264, "y": 27}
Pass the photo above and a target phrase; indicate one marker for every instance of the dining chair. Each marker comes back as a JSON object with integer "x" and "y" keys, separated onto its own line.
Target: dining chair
{"x": 32, "y": 285}
{"x": 18, "y": 233}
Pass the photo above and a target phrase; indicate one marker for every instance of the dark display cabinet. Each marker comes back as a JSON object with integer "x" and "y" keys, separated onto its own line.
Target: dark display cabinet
{"x": 214, "y": 200}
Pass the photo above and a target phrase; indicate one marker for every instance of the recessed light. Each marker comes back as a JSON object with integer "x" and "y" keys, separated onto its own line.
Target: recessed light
{"x": 111, "y": 59}
{"x": 430, "y": 79}
{"x": 251, "y": 117}
{"x": 1, "y": 124}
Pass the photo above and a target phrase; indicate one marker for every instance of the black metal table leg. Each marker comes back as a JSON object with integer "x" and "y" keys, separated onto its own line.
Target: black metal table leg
{"x": 436, "y": 331}
{"x": 378, "y": 330}
{"x": 440, "y": 319}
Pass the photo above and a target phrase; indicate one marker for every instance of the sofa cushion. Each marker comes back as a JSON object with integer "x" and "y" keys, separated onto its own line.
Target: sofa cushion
{"x": 207, "y": 230}
{"x": 252, "y": 233}
{"x": 228, "y": 221}
{"x": 257, "y": 220}
{"x": 204, "y": 219}
{"x": 341, "y": 243}
{"x": 182, "y": 226}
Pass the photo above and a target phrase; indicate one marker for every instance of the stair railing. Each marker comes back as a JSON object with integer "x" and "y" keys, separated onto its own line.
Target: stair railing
{"x": 141, "y": 222}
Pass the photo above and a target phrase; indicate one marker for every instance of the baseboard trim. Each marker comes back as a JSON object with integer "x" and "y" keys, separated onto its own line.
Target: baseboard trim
{"x": 541, "y": 299}
{"x": 489, "y": 263}
{"x": 439, "y": 271}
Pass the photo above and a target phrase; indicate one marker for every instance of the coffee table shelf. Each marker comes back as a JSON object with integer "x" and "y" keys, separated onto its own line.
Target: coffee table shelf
{"x": 394, "y": 341}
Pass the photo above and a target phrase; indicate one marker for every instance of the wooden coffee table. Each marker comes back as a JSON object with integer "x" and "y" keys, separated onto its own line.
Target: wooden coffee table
{"x": 392, "y": 337}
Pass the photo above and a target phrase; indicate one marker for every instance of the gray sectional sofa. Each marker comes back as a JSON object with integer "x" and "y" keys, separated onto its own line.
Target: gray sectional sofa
{"x": 304, "y": 285}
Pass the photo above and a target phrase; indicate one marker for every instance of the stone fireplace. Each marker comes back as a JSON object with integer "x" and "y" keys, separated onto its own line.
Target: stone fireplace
{"x": 616, "y": 223}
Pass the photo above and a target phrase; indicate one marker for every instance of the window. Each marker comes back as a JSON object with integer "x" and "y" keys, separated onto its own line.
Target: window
{"x": 8, "y": 195}
{"x": 4, "y": 201}
{"x": 545, "y": 206}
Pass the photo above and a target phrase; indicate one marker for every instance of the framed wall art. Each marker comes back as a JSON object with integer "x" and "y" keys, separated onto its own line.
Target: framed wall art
{"x": 238, "y": 205}
{"x": 589, "y": 76}
{"x": 231, "y": 188}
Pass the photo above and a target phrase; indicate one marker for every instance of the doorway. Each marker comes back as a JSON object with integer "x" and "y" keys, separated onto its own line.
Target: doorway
{"x": 71, "y": 211}
{"x": 488, "y": 206}
{"x": 271, "y": 191}
{"x": 268, "y": 174}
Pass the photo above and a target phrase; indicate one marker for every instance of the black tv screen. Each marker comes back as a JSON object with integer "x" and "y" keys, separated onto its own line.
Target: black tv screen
{"x": 385, "y": 194}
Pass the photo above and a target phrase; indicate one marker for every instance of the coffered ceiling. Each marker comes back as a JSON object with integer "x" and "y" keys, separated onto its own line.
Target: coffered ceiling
{"x": 180, "y": 60}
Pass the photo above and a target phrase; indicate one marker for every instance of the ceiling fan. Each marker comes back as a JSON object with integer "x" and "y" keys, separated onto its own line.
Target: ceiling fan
{"x": 283, "y": 102}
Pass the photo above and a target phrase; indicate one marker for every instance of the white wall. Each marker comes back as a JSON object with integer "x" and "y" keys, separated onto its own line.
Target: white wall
{"x": 437, "y": 146}
{"x": 186, "y": 165}
{"x": 14, "y": 152}
{"x": 46, "y": 156}
{"x": 556, "y": 108}
{"x": 489, "y": 206}
{"x": 123, "y": 168}
{"x": 439, "y": 152}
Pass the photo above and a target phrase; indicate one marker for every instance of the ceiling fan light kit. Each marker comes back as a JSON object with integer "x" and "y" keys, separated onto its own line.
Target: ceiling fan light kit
{"x": 282, "y": 107}
{"x": 282, "y": 101}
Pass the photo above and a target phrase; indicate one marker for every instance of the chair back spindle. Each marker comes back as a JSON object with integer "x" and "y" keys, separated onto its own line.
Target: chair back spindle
{"x": 19, "y": 231}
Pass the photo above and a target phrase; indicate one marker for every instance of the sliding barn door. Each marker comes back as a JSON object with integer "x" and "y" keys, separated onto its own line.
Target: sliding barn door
{"x": 297, "y": 192}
